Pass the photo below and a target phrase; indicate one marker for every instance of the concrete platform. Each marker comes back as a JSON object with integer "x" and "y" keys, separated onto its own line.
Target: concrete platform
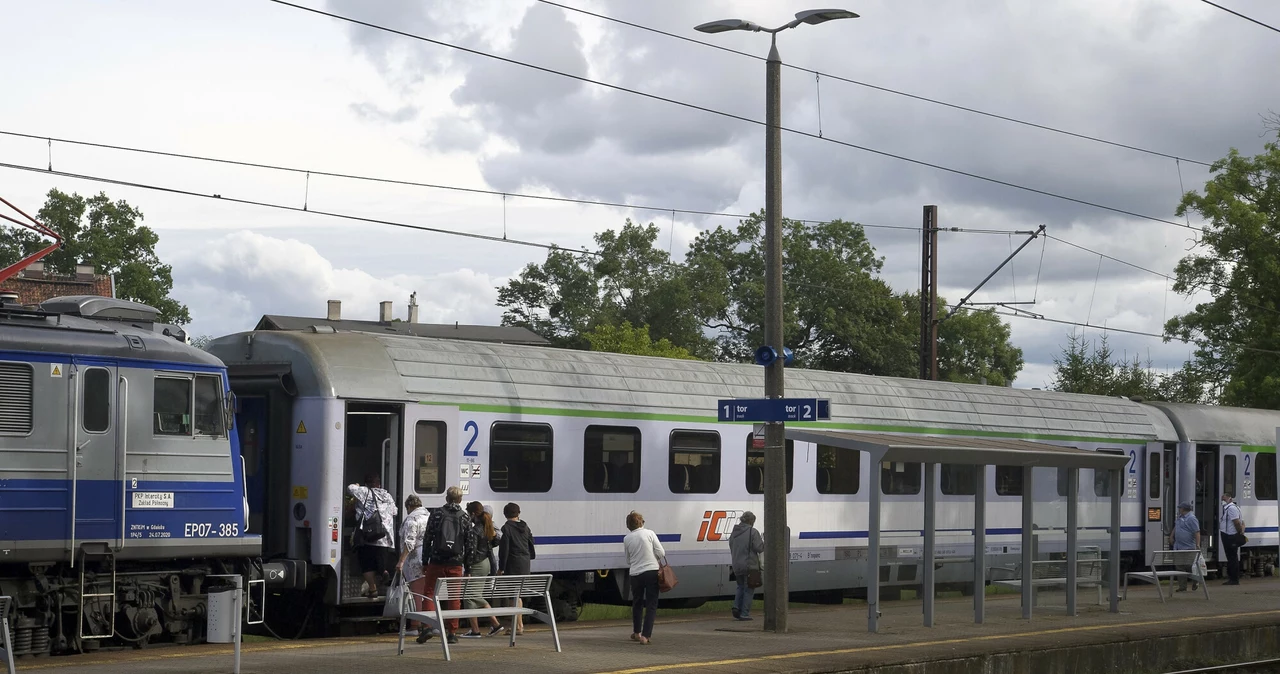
{"x": 1238, "y": 623}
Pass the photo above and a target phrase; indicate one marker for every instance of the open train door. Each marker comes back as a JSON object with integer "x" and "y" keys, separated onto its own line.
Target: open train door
{"x": 264, "y": 415}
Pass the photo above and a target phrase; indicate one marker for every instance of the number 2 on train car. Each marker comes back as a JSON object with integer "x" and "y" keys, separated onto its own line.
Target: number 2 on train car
{"x": 475, "y": 433}
{"x": 1133, "y": 460}
{"x": 1247, "y": 461}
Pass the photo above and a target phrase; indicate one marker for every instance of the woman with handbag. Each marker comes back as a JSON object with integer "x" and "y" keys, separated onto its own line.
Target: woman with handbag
{"x": 645, "y": 557}
{"x": 745, "y": 546}
{"x": 373, "y": 540}
{"x": 412, "y": 532}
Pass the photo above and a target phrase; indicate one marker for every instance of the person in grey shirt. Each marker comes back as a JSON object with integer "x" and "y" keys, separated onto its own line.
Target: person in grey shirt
{"x": 1185, "y": 536}
{"x": 745, "y": 546}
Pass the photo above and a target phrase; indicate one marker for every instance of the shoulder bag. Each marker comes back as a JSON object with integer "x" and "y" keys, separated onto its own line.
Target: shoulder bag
{"x": 666, "y": 578}
{"x": 369, "y": 530}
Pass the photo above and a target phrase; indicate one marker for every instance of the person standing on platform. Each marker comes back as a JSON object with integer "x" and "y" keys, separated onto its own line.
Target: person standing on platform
{"x": 644, "y": 557}
{"x": 1186, "y": 536}
{"x": 449, "y": 541}
{"x": 515, "y": 553}
{"x": 1231, "y": 531}
{"x": 745, "y": 546}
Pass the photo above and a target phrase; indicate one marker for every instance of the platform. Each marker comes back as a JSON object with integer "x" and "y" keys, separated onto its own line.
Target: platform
{"x": 1146, "y": 636}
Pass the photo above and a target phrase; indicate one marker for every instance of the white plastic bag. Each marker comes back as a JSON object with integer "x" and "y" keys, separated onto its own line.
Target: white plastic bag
{"x": 1200, "y": 569}
{"x": 396, "y": 595}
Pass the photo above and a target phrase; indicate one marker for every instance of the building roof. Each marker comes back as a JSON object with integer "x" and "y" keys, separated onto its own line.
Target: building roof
{"x": 35, "y": 286}
{"x": 474, "y": 333}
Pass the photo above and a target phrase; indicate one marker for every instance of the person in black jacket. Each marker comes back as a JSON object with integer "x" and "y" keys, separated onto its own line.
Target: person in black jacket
{"x": 515, "y": 552}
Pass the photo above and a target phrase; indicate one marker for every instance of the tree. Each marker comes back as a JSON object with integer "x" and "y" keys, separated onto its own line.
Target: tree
{"x": 105, "y": 234}
{"x": 1237, "y": 332}
{"x": 973, "y": 346}
{"x": 635, "y": 341}
{"x": 1093, "y": 368}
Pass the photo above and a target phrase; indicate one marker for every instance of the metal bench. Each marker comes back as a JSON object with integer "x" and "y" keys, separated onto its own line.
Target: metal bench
{"x": 1179, "y": 559}
{"x": 1053, "y": 573}
{"x": 5, "y": 641}
{"x": 489, "y": 588}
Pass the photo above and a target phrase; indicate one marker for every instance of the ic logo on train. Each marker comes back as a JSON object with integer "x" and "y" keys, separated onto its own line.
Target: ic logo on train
{"x": 718, "y": 524}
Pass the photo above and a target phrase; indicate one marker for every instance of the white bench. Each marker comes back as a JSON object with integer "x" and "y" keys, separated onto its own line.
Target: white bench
{"x": 489, "y": 588}
{"x": 1053, "y": 573}
{"x": 1178, "y": 559}
{"x": 5, "y": 602}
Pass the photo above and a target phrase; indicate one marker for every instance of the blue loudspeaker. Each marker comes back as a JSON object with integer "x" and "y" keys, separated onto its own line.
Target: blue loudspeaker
{"x": 765, "y": 355}
{"x": 787, "y": 356}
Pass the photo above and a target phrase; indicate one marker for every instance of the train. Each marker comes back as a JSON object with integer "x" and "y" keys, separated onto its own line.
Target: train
{"x": 250, "y": 475}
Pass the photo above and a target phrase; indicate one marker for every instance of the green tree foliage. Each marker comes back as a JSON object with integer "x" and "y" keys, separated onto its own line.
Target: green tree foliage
{"x": 973, "y": 346}
{"x": 635, "y": 341}
{"x": 1094, "y": 368}
{"x": 1237, "y": 332}
{"x": 105, "y": 234}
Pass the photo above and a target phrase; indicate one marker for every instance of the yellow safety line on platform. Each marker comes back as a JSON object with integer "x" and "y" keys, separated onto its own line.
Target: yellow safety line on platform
{"x": 917, "y": 644}
{"x": 213, "y": 652}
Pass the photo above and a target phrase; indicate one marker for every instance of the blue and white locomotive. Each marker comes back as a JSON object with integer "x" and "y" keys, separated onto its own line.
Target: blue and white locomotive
{"x": 121, "y": 482}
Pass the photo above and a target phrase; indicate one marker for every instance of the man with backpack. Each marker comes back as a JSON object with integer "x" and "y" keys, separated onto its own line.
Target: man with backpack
{"x": 449, "y": 541}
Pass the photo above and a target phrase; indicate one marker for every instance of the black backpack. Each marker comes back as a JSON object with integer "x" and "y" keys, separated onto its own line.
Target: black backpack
{"x": 450, "y": 538}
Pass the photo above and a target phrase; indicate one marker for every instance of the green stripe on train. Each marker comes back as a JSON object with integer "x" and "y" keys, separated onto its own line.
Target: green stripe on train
{"x": 1261, "y": 449}
{"x": 689, "y": 418}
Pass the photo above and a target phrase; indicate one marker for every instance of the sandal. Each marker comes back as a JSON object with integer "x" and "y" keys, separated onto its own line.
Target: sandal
{"x": 644, "y": 641}
{"x": 635, "y": 636}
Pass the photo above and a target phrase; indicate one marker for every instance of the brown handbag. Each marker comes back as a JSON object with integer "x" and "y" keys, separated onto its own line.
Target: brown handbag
{"x": 666, "y": 578}
{"x": 754, "y": 579}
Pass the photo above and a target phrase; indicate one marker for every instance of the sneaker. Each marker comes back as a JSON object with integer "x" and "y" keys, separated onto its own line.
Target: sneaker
{"x": 424, "y": 634}
{"x": 472, "y": 635}
{"x": 745, "y": 617}
{"x": 496, "y": 630}
{"x": 452, "y": 638}
{"x": 736, "y": 613}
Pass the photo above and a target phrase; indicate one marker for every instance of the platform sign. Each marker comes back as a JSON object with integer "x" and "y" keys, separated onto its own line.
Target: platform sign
{"x": 773, "y": 409}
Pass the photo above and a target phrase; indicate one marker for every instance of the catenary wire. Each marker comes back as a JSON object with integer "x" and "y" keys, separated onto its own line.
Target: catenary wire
{"x": 1246, "y": 18}
{"x": 888, "y": 90}
{"x": 730, "y": 115}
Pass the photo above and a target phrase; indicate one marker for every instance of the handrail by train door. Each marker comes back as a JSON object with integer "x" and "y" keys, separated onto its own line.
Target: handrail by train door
{"x": 73, "y": 453}
{"x": 122, "y": 428}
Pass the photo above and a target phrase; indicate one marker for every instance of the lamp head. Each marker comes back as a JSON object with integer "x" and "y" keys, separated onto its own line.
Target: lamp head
{"x": 817, "y": 16}
{"x": 724, "y": 25}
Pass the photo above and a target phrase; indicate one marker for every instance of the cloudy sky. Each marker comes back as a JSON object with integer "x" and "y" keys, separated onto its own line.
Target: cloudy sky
{"x": 256, "y": 81}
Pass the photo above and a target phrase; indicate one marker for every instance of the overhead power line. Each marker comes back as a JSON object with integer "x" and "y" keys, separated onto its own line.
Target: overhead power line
{"x": 729, "y": 115}
{"x": 888, "y": 90}
{"x": 1246, "y": 18}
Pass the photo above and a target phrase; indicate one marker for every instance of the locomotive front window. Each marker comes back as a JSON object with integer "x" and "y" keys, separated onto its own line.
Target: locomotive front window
{"x": 694, "y": 467}
{"x": 208, "y": 406}
{"x": 95, "y": 411}
{"x": 839, "y": 470}
{"x": 521, "y": 456}
{"x": 172, "y": 406}
{"x": 611, "y": 459}
{"x": 755, "y": 464}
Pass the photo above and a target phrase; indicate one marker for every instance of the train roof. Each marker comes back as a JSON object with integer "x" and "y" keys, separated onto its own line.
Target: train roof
{"x": 544, "y": 380}
{"x": 107, "y": 328}
{"x": 1223, "y": 425}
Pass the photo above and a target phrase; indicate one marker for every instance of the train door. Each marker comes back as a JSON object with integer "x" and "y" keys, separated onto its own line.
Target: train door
{"x": 1206, "y": 497}
{"x": 96, "y": 434}
{"x": 1160, "y": 495}
{"x": 251, "y": 425}
{"x": 372, "y": 442}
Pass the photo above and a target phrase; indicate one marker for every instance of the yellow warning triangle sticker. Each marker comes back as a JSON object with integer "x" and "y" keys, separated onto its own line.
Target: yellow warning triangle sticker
{"x": 302, "y": 428}
{"x": 57, "y": 371}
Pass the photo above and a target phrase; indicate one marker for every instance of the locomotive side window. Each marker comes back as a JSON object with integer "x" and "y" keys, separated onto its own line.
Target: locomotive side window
{"x": 95, "y": 405}
{"x": 172, "y": 406}
{"x": 428, "y": 457}
{"x": 521, "y": 457}
{"x": 16, "y": 396}
{"x": 839, "y": 470}
{"x": 1009, "y": 480}
{"x": 694, "y": 466}
{"x": 1102, "y": 478}
{"x": 899, "y": 478}
{"x": 611, "y": 459}
{"x": 959, "y": 479}
{"x": 1229, "y": 475}
{"x": 1264, "y": 484}
{"x": 208, "y": 406}
{"x": 755, "y": 465}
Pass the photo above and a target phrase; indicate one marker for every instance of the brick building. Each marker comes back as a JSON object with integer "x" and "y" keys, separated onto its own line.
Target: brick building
{"x": 34, "y": 285}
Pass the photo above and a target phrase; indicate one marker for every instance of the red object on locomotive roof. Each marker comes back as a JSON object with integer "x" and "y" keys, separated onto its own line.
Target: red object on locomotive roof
{"x": 8, "y": 272}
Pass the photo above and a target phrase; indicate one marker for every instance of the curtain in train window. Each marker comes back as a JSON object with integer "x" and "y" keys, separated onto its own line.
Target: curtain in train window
{"x": 208, "y": 406}
{"x": 959, "y": 479}
{"x": 898, "y": 478}
{"x": 611, "y": 459}
{"x": 172, "y": 406}
{"x": 694, "y": 466}
{"x": 520, "y": 456}
{"x": 95, "y": 403}
{"x": 1264, "y": 477}
{"x": 428, "y": 457}
{"x": 1009, "y": 480}
{"x": 839, "y": 470}
{"x": 755, "y": 464}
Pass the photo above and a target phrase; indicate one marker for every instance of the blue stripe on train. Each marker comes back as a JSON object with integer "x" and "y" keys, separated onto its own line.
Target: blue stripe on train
{"x": 49, "y": 357}
{"x": 588, "y": 540}
{"x": 1010, "y": 531}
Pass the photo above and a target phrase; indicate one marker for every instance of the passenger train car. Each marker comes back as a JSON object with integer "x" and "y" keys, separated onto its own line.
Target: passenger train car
{"x": 121, "y": 483}
{"x": 579, "y": 439}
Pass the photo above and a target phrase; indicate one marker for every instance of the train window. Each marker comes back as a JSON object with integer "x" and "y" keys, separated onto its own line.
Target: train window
{"x": 611, "y": 459}
{"x": 694, "y": 467}
{"x": 1102, "y": 477}
{"x": 1153, "y": 475}
{"x": 898, "y": 478}
{"x": 959, "y": 479}
{"x": 17, "y": 382}
{"x": 1009, "y": 480}
{"x": 172, "y": 406}
{"x": 839, "y": 470}
{"x": 1265, "y": 477}
{"x": 428, "y": 457}
{"x": 1064, "y": 482}
{"x": 1229, "y": 475}
{"x": 95, "y": 405}
{"x": 755, "y": 464}
{"x": 520, "y": 457}
{"x": 208, "y": 406}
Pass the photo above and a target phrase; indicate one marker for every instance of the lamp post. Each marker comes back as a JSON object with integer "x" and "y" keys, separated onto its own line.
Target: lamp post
{"x": 777, "y": 543}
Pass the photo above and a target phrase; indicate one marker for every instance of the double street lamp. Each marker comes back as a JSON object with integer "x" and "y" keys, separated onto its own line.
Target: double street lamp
{"x": 777, "y": 549}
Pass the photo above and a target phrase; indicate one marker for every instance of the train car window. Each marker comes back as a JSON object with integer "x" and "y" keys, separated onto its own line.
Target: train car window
{"x": 520, "y": 456}
{"x": 1009, "y": 480}
{"x": 1102, "y": 478}
{"x": 694, "y": 466}
{"x": 898, "y": 478}
{"x": 17, "y": 381}
{"x": 1153, "y": 475}
{"x": 1265, "y": 482}
{"x": 172, "y": 406}
{"x": 428, "y": 457}
{"x": 839, "y": 470}
{"x": 208, "y": 406}
{"x": 95, "y": 404}
{"x": 755, "y": 465}
{"x": 959, "y": 479}
{"x": 1229, "y": 475}
{"x": 1064, "y": 481}
{"x": 611, "y": 460}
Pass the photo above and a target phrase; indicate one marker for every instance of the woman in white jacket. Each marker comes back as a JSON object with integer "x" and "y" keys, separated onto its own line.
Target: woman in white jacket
{"x": 644, "y": 556}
